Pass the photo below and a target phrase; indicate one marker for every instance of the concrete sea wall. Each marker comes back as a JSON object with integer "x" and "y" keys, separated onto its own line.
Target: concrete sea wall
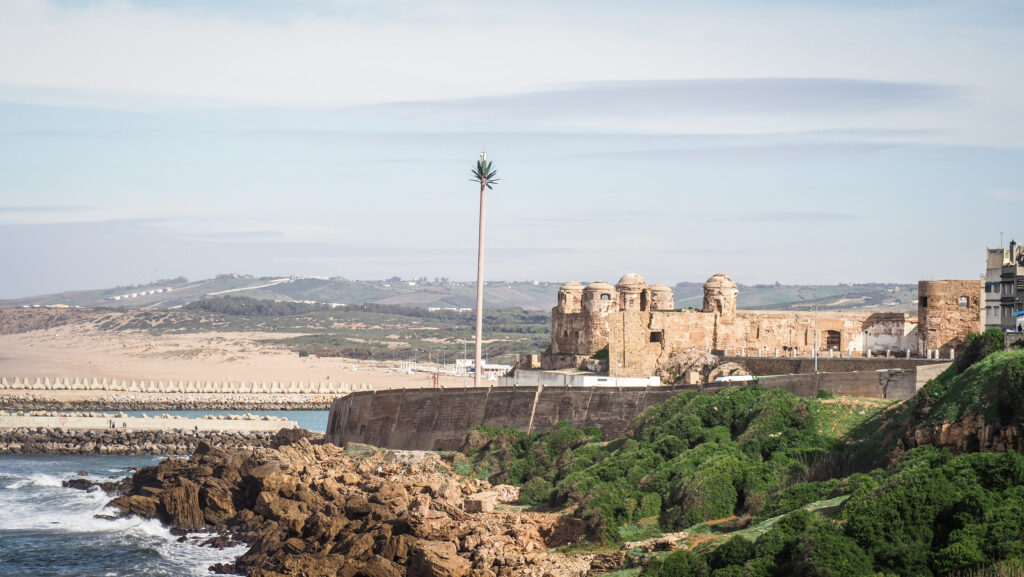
{"x": 439, "y": 419}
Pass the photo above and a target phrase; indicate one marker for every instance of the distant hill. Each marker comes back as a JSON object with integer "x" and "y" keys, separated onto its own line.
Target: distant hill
{"x": 870, "y": 296}
{"x": 533, "y": 295}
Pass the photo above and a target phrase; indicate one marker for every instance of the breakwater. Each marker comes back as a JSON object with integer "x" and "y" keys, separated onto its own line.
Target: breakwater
{"x": 28, "y": 401}
{"x": 40, "y": 440}
{"x": 119, "y": 434}
{"x": 173, "y": 386}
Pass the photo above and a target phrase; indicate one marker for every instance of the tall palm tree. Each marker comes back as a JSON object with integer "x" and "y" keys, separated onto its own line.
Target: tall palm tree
{"x": 484, "y": 173}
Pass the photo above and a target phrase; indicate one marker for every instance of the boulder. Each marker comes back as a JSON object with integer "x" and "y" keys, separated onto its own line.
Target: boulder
{"x": 141, "y": 505}
{"x": 436, "y": 559}
{"x": 181, "y": 506}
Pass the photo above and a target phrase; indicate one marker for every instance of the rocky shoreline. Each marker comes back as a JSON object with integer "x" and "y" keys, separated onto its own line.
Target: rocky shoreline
{"x": 171, "y": 402}
{"x": 30, "y": 441}
{"x": 313, "y": 509}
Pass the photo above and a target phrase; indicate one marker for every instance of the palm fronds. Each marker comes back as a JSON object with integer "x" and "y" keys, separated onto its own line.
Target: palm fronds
{"x": 484, "y": 173}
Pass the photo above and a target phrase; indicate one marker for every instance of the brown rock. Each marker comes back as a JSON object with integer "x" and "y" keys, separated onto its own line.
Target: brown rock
{"x": 397, "y": 548}
{"x": 181, "y": 506}
{"x": 379, "y": 567}
{"x": 294, "y": 545}
{"x": 480, "y": 503}
{"x": 290, "y": 514}
{"x": 217, "y": 501}
{"x": 436, "y": 559}
{"x": 360, "y": 546}
{"x": 272, "y": 477}
{"x": 140, "y": 505}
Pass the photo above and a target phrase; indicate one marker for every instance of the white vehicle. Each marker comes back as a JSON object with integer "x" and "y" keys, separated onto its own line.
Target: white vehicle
{"x": 735, "y": 379}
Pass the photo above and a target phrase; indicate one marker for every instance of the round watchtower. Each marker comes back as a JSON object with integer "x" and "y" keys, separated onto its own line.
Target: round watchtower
{"x": 720, "y": 295}
{"x": 599, "y": 297}
{"x": 633, "y": 293}
{"x": 662, "y": 298}
{"x": 570, "y": 297}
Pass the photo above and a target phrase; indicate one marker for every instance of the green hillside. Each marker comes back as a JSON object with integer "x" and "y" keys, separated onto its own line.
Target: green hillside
{"x": 444, "y": 293}
{"x": 764, "y": 483}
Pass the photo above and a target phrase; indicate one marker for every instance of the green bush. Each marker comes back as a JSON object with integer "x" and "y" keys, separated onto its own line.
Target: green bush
{"x": 536, "y": 491}
{"x": 978, "y": 346}
{"x": 682, "y": 563}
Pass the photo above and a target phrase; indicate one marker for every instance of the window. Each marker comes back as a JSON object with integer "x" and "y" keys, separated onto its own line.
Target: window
{"x": 833, "y": 340}
{"x": 963, "y": 302}
{"x": 657, "y": 336}
{"x": 923, "y": 302}
{"x": 606, "y": 297}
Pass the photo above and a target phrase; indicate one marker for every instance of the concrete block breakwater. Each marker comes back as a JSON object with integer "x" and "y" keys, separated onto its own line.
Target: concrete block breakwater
{"x": 144, "y": 386}
{"x": 27, "y": 441}
{"x": 101, "y": 421}
{"x": 41, "y": 400}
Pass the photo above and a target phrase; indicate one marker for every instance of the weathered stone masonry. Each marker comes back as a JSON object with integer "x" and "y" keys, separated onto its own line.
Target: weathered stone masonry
{"x": 641, "y": 329}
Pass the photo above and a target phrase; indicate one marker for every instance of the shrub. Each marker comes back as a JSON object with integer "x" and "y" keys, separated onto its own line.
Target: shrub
{"x": 536, "y": 491}
{"x": 978, "y": 346}
{"x": 735, "y": 551}
{"x": 682, "y": 563}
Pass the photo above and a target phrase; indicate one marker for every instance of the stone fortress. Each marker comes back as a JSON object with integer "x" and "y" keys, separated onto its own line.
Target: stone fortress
{"x": 641, "y": 328}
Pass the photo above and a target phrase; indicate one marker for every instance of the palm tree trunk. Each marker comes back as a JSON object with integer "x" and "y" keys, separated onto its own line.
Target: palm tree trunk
{"x": 478, "y": 362}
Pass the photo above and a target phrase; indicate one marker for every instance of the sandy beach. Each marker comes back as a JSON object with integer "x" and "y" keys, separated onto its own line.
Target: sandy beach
{"x": 83, "y": 351}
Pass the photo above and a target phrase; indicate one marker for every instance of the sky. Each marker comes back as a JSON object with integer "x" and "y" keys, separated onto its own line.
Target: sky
{"x": 804, "y": 142}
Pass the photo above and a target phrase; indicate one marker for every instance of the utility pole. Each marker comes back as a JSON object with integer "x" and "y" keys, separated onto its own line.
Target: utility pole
{"x": 815, "y": 339}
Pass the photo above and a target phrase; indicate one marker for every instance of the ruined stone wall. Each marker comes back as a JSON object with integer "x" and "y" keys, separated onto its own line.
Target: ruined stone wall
{"x": 896, "y": 332}
{"x": 947, "y": 311}
{"x": 439, "y": 419}
{"x": 642, "y": 341}
{"x": 640, "y": 336}
{"x": 789, "y": 366}
{"x": 567, "y": 333}
{"x": 891, "y": 384}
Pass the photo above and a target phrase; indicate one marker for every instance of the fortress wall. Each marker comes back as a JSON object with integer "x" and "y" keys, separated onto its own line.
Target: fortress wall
{"x": 439, "y": 419}
{"x": 891, "y": 384}
{"x": 764, "y": 366}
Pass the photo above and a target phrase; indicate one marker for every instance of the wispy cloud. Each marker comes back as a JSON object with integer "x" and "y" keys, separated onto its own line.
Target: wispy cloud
{"x": 696, "y": 97}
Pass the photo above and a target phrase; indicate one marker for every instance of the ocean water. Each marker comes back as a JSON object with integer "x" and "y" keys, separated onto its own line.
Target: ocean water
{"x": 48, "y": 530}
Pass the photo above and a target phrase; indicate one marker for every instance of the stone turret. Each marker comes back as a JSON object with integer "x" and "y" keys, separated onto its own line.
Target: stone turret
{"x": 599, "y": 297}
{"x": 947, "y": 311}
{"x": 720, "y": 295}
{"x": 633, "y": 293}
{"x": 662, "y": 298}
{"x": 570, "y": 297}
